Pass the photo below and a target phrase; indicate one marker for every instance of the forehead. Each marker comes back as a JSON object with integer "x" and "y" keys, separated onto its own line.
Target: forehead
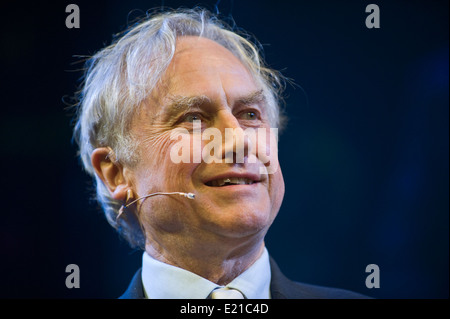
{"x": 203, "y": 67}
{"x": 200, "y": 52}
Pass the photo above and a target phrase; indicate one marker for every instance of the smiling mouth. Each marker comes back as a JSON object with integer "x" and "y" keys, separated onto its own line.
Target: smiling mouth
{"x": 230, "y": 181}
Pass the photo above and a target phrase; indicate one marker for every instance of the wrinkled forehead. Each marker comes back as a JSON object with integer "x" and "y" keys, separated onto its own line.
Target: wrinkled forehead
{"x": 204, "y": 69}
{"x": 199, "y": 50}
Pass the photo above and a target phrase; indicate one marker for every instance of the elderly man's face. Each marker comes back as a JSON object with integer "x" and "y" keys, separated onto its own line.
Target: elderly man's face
{"x": 225, "y": 96}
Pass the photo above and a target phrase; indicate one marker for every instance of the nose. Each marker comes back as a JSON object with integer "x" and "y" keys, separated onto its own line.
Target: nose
{"x": 236, "y": 145}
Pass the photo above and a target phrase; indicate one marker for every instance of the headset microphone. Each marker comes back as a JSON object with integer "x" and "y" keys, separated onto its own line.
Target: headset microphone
{"x": 187, "y": 195}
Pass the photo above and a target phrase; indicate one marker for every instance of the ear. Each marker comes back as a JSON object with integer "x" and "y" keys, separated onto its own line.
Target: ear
{"x": 111, "y": 173}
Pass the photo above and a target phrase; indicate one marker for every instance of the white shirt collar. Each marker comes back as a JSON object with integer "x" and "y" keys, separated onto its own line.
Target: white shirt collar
{"x": 164, "y": 281}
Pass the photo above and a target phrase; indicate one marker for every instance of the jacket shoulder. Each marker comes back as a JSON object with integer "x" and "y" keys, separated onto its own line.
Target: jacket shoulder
{"x": 284, "y": 288}
{"x": 307, "y": 291}
{"x": 135, "y": 290}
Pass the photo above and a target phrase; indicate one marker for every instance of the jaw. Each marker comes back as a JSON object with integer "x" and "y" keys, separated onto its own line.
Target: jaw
{"x": 234, "y": 211}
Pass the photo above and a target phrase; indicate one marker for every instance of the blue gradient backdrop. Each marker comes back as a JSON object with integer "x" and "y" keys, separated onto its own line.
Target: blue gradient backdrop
{"x": 365, "y": 155}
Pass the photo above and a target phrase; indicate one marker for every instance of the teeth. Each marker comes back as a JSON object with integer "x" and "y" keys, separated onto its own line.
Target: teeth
{"x": 231, "y": 181}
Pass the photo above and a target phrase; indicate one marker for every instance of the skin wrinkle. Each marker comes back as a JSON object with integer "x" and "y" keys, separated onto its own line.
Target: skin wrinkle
{"x": 184, "y": 104}
{"x": 155, "y": 249}
{"x": 156, "y": 137}
{"x": 158, "y": 134}
{"x": 125, "y": 74}
{"x": 238, "y": 266}
{"x": 220, "y": 233}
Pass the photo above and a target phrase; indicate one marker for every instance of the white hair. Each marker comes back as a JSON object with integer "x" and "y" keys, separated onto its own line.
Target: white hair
{"x": 122, "y": 75}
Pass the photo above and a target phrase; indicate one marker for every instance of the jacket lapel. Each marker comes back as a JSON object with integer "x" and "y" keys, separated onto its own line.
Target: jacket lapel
{"x": 135, "y": 289}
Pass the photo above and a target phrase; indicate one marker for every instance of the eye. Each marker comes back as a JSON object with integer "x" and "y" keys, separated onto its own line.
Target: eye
{"x": 249, "y": 115}
{"x": 191, "y": 117}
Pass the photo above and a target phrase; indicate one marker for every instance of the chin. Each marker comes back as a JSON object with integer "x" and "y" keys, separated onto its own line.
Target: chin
{"x": 240, "y": 223}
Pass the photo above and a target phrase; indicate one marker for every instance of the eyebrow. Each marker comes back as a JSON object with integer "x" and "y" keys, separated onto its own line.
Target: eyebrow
{"x": 182, "y": 103}
{"x": 255, "y": 97}
{"x": 179, "y": 103}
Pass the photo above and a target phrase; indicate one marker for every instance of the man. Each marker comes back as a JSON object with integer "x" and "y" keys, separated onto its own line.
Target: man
{"x": 182, "y": 74}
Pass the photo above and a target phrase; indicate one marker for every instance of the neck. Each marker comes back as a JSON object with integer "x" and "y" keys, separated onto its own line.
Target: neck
{"x": 219, "y": 261}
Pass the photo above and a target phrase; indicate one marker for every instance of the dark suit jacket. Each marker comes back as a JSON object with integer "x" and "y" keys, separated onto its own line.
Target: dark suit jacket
{"x": 280, "y": 288}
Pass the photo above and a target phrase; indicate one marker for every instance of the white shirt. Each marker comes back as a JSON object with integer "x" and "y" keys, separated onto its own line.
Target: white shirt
{"x": 164, "y": 281}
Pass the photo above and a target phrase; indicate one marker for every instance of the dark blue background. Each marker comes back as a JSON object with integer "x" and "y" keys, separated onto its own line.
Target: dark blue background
{"x": 365, "y": 155}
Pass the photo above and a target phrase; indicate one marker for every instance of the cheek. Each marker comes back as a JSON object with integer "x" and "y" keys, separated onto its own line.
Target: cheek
{"x": 266, "y": 149}
{"x": 276, "y": 190}
{"x": 161, "y": 150}
{"x": 165, "y": 161}
{"x": 279, "y": 183}
{"x": 155, "y": 147}
{"x": 152, "y": 166}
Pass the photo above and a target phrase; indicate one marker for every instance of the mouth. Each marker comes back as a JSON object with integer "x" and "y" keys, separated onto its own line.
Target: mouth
{"x": 233, "y": 179}
{"x": 227, "y": 181}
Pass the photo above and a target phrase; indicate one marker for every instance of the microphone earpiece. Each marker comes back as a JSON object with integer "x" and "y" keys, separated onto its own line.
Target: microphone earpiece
{"x": 187, "y": 195}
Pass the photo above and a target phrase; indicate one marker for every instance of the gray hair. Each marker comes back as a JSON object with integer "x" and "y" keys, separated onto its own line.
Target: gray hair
{"x": 122, "y": 75}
